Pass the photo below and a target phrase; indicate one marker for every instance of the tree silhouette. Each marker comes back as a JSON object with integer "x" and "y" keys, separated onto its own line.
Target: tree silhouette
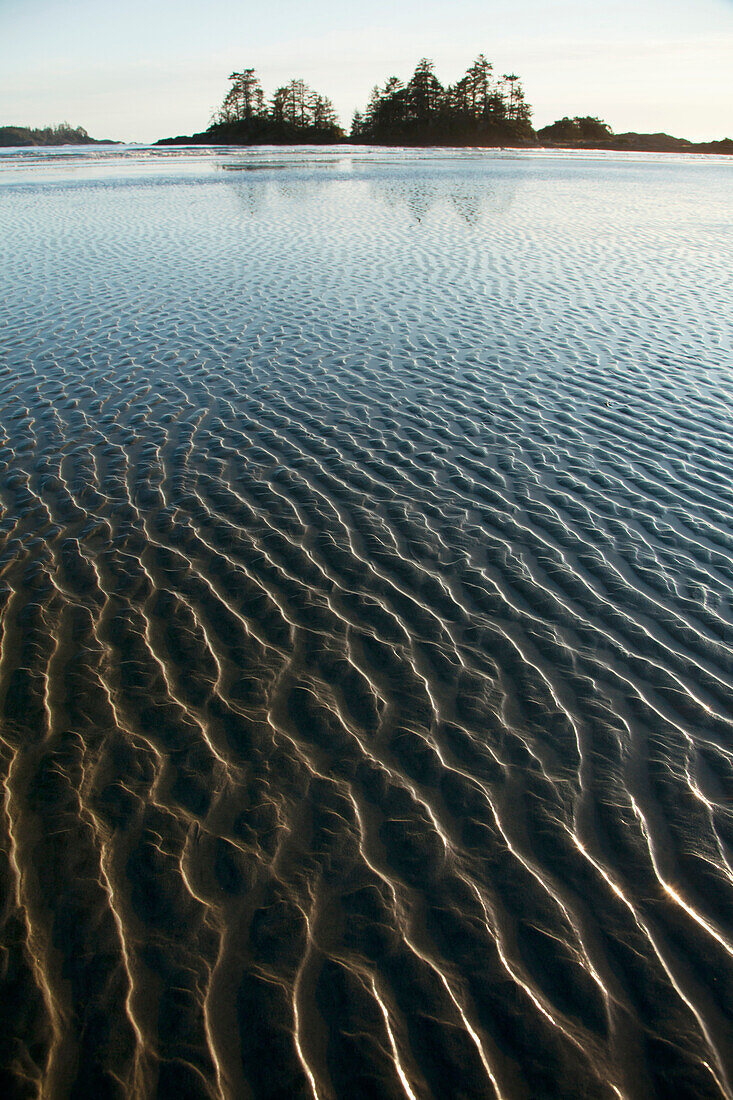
{"x": 424, "y": 90}
{"x": 478, "y": 82}
{"x": 476, "y": 110}
{"x": 473, "y": 111}
{"x": 295, "y": 113}
{"x": 511, "y": 80}
{"x": 63, "y": 133}
{"x": 244, "y": 100}
{"x": 573, "y": 130}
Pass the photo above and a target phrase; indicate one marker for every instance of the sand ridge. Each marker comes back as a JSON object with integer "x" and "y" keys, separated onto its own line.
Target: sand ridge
{"x": 366, "y": 530}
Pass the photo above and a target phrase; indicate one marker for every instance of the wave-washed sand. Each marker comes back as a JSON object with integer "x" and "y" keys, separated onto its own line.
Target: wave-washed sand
{"x": 366, "y": 561}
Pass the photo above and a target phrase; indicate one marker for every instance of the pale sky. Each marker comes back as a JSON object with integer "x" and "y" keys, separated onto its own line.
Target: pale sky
{"x": 138, "y": 70}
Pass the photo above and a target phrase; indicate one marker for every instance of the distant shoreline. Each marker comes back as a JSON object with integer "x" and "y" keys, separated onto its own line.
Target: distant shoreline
{"x": 25, "y": 137}
{"x": 622, "y": 143}
{"x": 482, "y": 110}
{"x": 646, "y": 143}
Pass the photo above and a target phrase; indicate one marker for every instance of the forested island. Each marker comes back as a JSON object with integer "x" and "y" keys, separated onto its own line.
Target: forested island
{"x": 295, "y": 115}
{"x": 62, "y": 134}
{"x": 480, "y": 109}
{"x": 593, "y": 133}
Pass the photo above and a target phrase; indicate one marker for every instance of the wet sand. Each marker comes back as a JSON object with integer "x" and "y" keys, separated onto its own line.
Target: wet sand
{"x": 366, "y": 560}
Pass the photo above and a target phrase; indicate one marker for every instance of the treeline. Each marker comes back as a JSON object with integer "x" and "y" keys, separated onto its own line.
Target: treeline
{"x": 61, "y": 134}
{"x": 588, "y": 132}
{"x": 576, "y": 131}
{"x": 479, "y": 109}
{"x": 295, "y": 113}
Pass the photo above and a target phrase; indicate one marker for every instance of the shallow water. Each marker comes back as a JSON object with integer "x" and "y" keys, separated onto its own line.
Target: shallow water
{"x": 366, "y": 561}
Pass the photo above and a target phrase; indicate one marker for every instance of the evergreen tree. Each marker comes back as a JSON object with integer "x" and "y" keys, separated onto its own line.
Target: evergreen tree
{"x": 244, "y": 100}
{"x": 478, "y": 79}
{"x": 424, "y": 90}
{"x": 475, "y": 110}
{"x": 295, "y": 113}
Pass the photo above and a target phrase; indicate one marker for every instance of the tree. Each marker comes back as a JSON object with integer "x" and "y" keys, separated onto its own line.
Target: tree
{"x": 392, "y": 85}
{"x": 511, "y": 79}
{"x": 297, "y": 103}
{"x": 522, "y": 110}
{"x": 424, "y": 89}
{"x": 322, "y": 111}
{"x": 244, "y": 100}
{"x": 277, "y": 105}
{"x": 478, "y": 79}
{"x": 289, "y": 104}
{"x": 458, "y": 96}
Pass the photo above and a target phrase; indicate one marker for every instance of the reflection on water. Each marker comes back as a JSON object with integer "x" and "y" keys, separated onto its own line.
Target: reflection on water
{"x": 366, "y": 530}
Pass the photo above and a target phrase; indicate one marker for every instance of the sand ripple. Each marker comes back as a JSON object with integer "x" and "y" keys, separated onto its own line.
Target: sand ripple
{"x": 366, "y": 543}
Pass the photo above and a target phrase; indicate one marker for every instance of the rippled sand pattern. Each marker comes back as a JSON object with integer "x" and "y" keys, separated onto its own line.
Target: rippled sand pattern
{"x": 366, "y": 560}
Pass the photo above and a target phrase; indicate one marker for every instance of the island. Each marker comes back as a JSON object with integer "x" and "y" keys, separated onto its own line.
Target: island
{"x": 593, "y": 133}
{"x": 61, "y": 134}
{"x": 482, "y": 109}
{"x": 476, "y": 110}
{"x": 295, "y": 115}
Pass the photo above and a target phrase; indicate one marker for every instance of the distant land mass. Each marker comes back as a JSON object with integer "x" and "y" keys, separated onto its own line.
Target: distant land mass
{"x": 481, "y": 109}
{"x": 62, "y": 134}
{"x": 593, "y": 133}
{"x": 296, "y": 115}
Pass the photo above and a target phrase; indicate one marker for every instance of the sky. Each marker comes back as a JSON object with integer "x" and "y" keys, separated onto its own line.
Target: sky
{"x": 138, "y": 70}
